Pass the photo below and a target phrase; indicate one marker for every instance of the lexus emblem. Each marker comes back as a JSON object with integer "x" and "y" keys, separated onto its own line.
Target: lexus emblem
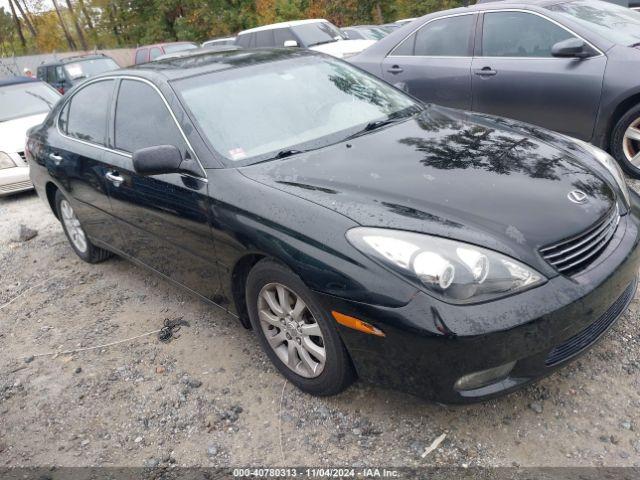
{"x": 577, "y": 196}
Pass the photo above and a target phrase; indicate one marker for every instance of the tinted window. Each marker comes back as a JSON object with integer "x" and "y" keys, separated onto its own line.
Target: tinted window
{"x": 154, "y": 53}
{"x": 518, "y": 34}
{"x": 141, "y": 56}
{"x": 88, "y": 111}
{"x": 133, "y": 130}
{"x": 448, "y": 37}
{"x": 243, "y": 40}
{"x": 281, "y": 35}
{"x": 264, "y": 38}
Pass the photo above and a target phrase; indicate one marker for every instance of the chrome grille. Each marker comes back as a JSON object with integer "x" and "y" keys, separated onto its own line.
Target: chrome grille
{"x": 575, "y": 254}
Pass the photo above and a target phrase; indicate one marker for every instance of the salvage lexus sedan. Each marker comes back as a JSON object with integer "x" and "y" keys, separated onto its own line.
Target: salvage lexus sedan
{"x": 453, "y": 255}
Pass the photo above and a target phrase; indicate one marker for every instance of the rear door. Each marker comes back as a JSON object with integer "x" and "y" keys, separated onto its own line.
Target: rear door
{"x": 434, "y": 62}
{"x": 75, "y": 157}
{"x": 163, "y": 219}
{"x": 515, "y": 75}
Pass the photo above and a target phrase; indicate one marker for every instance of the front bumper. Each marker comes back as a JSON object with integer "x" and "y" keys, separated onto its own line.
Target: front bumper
{"x": 429, "y": 344}
{"x": 14, "y": 180}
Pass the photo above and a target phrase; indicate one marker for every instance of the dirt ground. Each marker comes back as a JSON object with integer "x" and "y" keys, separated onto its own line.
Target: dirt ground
{"x": 210, "y": 397}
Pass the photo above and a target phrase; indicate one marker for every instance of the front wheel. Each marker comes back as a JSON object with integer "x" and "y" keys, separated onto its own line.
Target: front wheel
{"x": 76, "y": 235}
{"x": 625, "y": 142}
{"x": 297, "y": 335}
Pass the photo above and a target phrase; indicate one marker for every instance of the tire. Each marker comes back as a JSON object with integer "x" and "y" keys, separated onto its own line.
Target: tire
{"x": 75, "y": 233}
{"x": 622, "y": 148}
{"x": 337, "y": 372}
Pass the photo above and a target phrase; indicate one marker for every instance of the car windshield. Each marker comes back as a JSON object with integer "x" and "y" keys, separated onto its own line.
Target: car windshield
{"x": 25, "y": 99}
{"x": 312, "y": 102}
{"x": 89, "y": 68}
{"x": 617, "y": 24}
{"x": 317, "y": 33}
{"x": 179, "y": 47}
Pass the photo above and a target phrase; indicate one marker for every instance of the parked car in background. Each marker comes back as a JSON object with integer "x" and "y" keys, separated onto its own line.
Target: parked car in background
{"x": 219, "y": 41}
{"x": 563, "y": 65}
{"x": 365, "y": 32}
{"x": 318, "y": 34}
{"x": 24, "y": 103}
{"x": 149, "y": 53}
{"x": 65, "y": 73}
{"x": 454, "y": 255}
{"x": 197, "y": 53}
{"x": 404, "y": 21}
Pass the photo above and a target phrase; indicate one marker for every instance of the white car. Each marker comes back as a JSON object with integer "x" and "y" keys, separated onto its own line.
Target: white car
{"x": 24, "y": 103}
{"x": 317, "y": 34}
{"x": 215, "y": 42}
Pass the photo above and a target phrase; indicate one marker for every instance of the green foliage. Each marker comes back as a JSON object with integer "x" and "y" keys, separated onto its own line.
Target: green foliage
{"x": 129, "y": 23}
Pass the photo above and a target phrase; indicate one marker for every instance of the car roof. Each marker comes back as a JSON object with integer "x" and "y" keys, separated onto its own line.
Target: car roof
{"x": 293, "y": 23}
{"x": 75, "y": 58}
{"x": 206, "y": 60}
{"x": 162, "y": 44}
{"x": 16, "y": 80}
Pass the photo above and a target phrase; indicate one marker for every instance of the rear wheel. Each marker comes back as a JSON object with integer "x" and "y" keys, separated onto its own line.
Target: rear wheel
{"x": 76, "y": 234}
{"x": 625, "y": 142}
{"x": 297, "y": 335}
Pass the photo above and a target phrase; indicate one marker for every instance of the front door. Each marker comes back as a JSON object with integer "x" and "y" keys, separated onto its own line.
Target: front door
{"x": 163, "y": 219}
{"x": 434, "y": 63}
{"x": 515, "y": 75}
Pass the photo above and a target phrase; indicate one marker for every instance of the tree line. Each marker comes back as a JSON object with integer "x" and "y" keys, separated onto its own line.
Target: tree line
{"x": 43, "y": 26}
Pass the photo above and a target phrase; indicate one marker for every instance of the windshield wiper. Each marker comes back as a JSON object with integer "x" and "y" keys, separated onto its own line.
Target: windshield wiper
{"x": 281, "y": 154}
{"x": 392, "y": 118}
{"x": 39, "y": 97}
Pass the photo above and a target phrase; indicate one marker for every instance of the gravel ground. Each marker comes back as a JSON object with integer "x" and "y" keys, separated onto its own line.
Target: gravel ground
{"x": 210, "y": 397}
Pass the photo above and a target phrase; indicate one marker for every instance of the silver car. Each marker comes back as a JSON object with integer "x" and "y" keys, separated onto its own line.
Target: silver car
{"x": 25, "y": 103}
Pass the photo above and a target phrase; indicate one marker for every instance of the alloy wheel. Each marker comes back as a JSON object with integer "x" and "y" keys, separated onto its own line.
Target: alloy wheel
{"x": 291, "y": 330}
{"x": 72, "y": 224}
{"x": 631, "y": 143}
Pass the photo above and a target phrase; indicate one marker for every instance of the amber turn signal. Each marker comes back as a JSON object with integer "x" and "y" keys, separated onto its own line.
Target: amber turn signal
{"x": 357, "y": 324}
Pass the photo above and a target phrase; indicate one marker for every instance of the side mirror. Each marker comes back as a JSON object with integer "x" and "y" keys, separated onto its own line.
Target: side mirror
{"x": 572, "y": 48}
{"x": 157, "y": 160}
{"x": 290, "y": 43}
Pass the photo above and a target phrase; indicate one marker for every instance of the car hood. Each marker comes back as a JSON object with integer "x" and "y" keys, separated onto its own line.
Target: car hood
{"x": 343, "y": 48}
{"x": 450, "y": 173}
{"x": 13, "y": 133}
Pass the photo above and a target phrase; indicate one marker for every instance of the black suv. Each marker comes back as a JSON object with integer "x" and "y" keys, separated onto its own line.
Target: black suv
{"x": 64, "y": 73}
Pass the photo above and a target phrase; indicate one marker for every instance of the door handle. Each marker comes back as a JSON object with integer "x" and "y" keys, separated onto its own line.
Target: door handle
{"x": 395, "y": 69}
{"x": 485, "y": 72}
{"x": 115, "y": 178}
{"x": 57, "y": 159}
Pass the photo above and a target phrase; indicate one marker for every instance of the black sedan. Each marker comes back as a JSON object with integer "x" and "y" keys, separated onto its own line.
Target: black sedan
{"x": 360, "y": 233}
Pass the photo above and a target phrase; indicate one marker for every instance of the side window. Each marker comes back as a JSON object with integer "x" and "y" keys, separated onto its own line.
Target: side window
{"x": 519, "y": 34}
{"x": 60, "y": 74}
{"x": 87, "y": 112}
{"x": 41, "y": 73}
{"x": 447, "y": 37}
{"x": 156, "y": 127}
{"x": 243, "y": 40}
{"x": 406, "y": 47}
{"x": 63, "y": 119}
{"x": 264, "y": 38}
{"x": 141, "y": 56}
{"x": 282, "y": 35}
{"x": 154, "y": 53}
{"x": 51, "y": 75}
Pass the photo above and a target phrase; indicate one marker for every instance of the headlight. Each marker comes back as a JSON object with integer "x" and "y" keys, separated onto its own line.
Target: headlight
{"x": 454, "y": 271}
{"x": 6, "y": 161}
{"x": 609, "y": 163}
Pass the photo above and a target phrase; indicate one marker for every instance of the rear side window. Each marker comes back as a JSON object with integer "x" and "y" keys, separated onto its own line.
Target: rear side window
{"x": 154, "y": 53}
{"x": 87, "y": 111}
{"x": 154, "y": 127}
{"x": 141, "y": 56}
{"x": 519, "y": 34}
{"x": 282, "y": 35}
{"x": 447, "y": 37}
{"x": 264, "y": 38}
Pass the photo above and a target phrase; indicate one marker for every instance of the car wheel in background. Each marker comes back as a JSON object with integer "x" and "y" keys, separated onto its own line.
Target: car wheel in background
{"x": 297, "y": 335}
{"x": 76, "y": 234}
{"x": 625, "y": 142}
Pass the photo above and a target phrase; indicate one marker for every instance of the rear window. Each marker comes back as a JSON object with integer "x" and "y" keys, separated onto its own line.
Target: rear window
{"x": 89, "y": 68}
